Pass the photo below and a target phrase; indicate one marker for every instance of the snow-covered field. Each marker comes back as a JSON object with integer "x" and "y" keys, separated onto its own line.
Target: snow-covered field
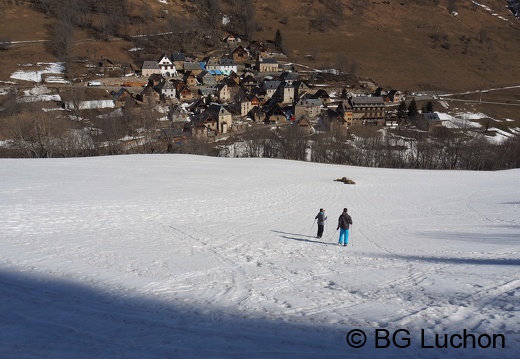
{"x": 178, "y": 256}
{"x": 35, "y": 75}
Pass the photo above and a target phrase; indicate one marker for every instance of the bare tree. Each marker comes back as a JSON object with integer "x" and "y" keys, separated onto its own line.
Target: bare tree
{"x": 37, "y": 133}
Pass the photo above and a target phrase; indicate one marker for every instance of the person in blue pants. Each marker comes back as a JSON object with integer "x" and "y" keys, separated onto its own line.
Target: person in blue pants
{"x": 344, "y": 222}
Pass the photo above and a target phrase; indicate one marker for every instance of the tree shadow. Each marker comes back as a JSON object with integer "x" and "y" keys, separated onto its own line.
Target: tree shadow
{"x": 458, "y": 260}
{"x": 45, "y": 317}
{"x": 498, "y": 237}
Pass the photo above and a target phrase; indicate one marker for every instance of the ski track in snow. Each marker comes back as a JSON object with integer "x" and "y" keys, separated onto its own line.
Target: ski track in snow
{"x": 212, "y": 257}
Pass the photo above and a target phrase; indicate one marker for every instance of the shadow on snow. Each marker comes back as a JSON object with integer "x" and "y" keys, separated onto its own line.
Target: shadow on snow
{"x": 45, "y": 317}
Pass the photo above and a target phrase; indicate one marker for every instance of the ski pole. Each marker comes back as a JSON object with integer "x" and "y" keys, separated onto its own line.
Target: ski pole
{"x": 312, "y": 225}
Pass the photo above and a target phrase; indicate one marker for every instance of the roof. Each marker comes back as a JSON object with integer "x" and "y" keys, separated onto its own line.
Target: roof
{"x": 216, "y": 110}
{"x": 192, "y": 66}
{"x": 365, "y": 101}
{"x": 311, "y": 102}
{"x": 150, "y": 65}
{"x": 431, "y": 116}
{"x": 227, "y": 62}
{"x": 271, "y": 84}
{"x": 178, "y": 56}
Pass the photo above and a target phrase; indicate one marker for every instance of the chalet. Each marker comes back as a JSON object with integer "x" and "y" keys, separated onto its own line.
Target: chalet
{"x": 121, "y": 97}
{"x": 149, "y": 68}
{"x": 323, "y": 96}
{"x": 240, "y": 55}
{"x": 190, "y": 78}
{"x": 154, "y": 80}
{"x": 178, "y": 114}
{"x": 184, "y": 94}
{"x": 371, "y": 110}
{"x": 256, "y": 48}
{"x": 257, "y": 114}
{"x": 198, "y": 106}
{"x": 222, "y": 92}
{"x": 247, "y": 102}
{"x": 275, "y": 114}
{"x": 226, "y": 66}
{"x": 202, "y": 125}
{"x": 193, "y": 66}
{"x": 148, "y": 95}
{"x": 166, "y": 90}
{"x": 304, "y": 126}
{"x": 171, "y": 136}
{"x": 223, "y": 117}
{"x": 307, "y": 107}
{"x": 245, "y": 105}
{"x": 233, "y": 87}
{"x": 234, "y": 77}
{"x": 248, "y": 82}
{"x": 197, "y": 129}
{"x": 166, "y": 66}
{"x": 207, "y": 92}
{"x": 394, "y": 96}
{"x": 206, "y": 78}
{"x": 231, "y": 40}
{"x": 428, "y": 121}
{"x": 178, "y": 59}
{"x": 380, "y": 92}
{"x": 259, "y": 92}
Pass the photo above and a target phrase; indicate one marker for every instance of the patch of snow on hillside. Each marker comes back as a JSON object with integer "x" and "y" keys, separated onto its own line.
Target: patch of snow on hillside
{"x": 4, "y": 91}
{"x": 462, "y": 120}
{"x": 491, "y": 11}
{"x": 36, "y": 75}
{"x": 500, "y": 135}
{"x": 39, "y": 94}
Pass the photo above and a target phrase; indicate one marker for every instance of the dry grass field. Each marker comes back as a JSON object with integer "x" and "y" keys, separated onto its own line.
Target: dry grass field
{"x": 411, "y": 46}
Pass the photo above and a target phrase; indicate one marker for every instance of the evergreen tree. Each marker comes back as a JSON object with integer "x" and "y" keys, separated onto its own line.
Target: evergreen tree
{"x": 428, "y": 107}
{"x": 413, "y": 112}
{"x": 344, "y": 93}
{"x": 278, "y": 40}
{"x": 402, "y": 110}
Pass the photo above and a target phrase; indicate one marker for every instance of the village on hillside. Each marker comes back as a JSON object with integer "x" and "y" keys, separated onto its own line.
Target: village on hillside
{"x": 179, "y": 98}
{"x": 214, "y": 96}
{"x": 219, "y": 95}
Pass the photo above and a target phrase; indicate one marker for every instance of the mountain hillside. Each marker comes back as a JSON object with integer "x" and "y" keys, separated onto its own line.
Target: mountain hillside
{"x": 406, "y": 44}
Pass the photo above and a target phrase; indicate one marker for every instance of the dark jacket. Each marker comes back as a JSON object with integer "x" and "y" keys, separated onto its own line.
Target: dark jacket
{"x": 344, "y": 221}
{"x": 321, "y": 218}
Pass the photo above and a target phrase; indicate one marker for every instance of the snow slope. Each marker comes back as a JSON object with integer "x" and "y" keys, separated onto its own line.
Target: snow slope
{"x": 179, "y": 256}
